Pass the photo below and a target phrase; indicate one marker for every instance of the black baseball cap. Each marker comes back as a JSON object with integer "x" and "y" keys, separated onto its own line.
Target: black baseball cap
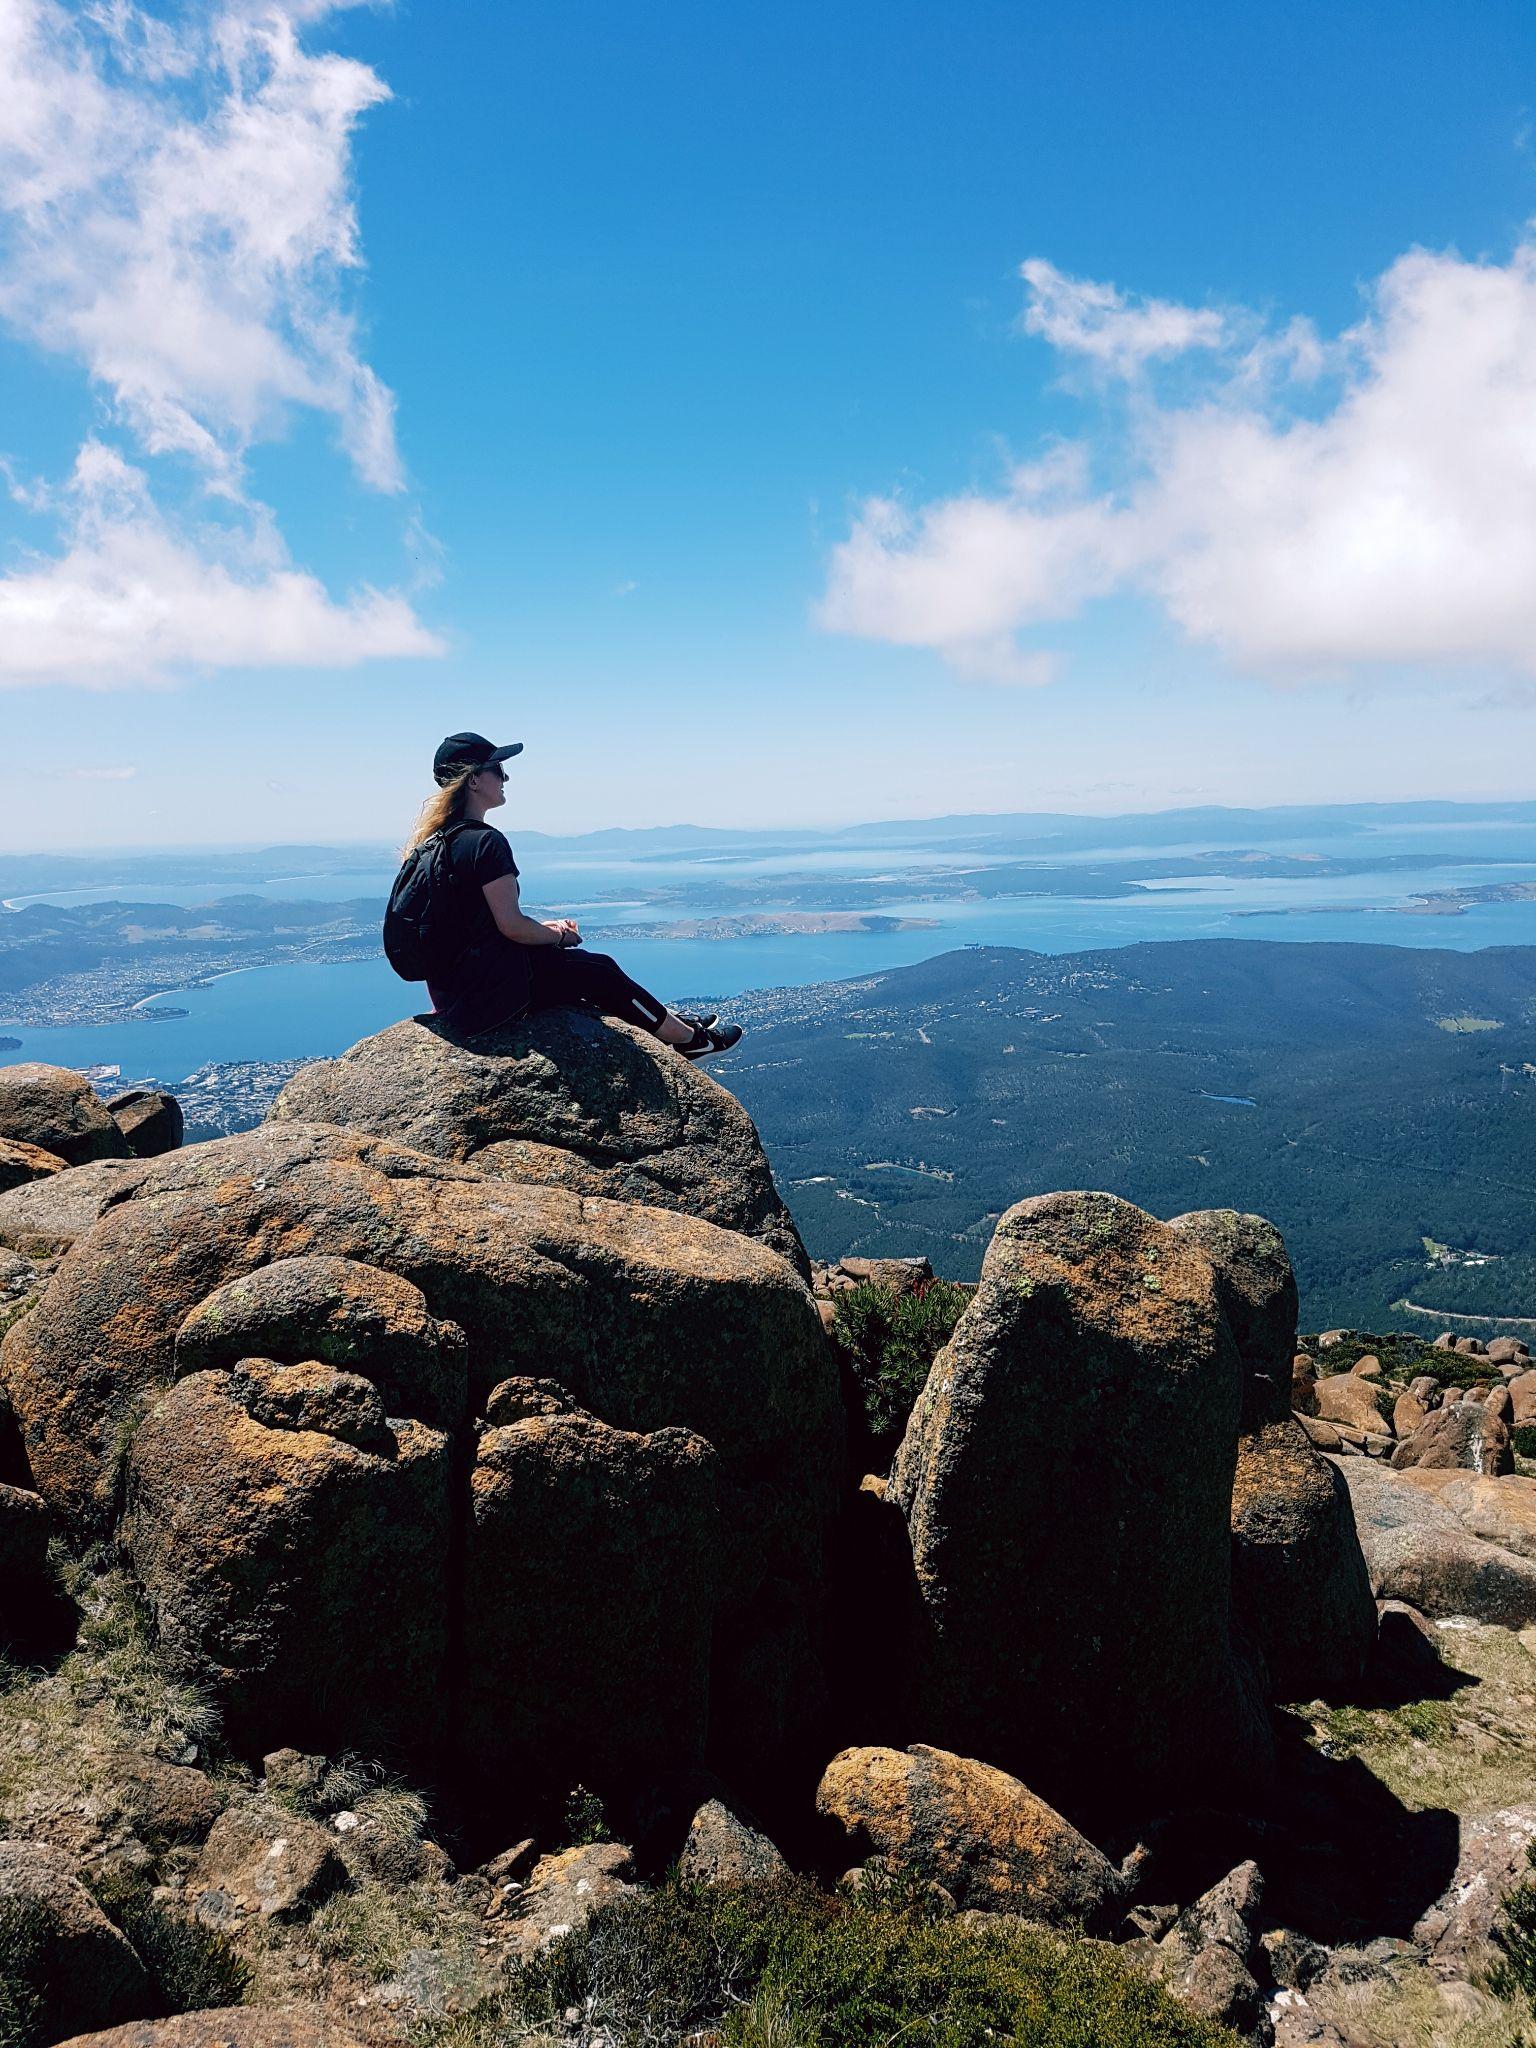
{"x": 463, "y": 750}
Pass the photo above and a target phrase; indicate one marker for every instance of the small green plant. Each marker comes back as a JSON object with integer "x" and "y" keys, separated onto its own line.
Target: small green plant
{"x": 1525, "y": 1440}
{"x": 890, "y": 1341}
{"x": 583, "y": 1819}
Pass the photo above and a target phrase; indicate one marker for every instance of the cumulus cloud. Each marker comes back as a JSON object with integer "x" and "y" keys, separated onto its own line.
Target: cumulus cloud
{"x": 1301, "y": 506}
{"x": 177, "y": 217}
{"x": 132, "y": 600}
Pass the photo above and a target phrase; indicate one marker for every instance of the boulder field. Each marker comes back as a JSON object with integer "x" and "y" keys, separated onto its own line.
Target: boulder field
{"x": 475, "y": 1414}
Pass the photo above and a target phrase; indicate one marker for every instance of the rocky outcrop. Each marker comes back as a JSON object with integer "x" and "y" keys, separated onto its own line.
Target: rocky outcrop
{"x": 1299, "y": 1578}
{"x": 332, "y": 1303}
{"x": 1069, "y": 1466}
{"x": 344, "y": 1313}
{"x": 590, "y": 1593}
{"x": 562, "y": 1099}
{"x": 1466, "y": 1438}
{"x": 1417, "y": 1550}
{"x": 149, "y": 1119}
{"x": 293, "y": 1548}
{"x": 723, "y": 1847}
{"x": 20, "y": 1164}
{"x": 566, "y": 1889}
{"x": 58, "y": 1111}
{"x": 59, "y": 1951}
{"x": 1299, "y": 1582}
{"x": 1257, "y": 1289}
{"x": 975, "y": 1830}
{"x": 43, "y": 1217}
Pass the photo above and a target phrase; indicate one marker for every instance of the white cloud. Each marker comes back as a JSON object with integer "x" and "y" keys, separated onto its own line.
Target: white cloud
{"x": 176, "y": 216}
{"x": 180, "y": 220}
{"x": 132, "y": 600}
{"x": 100, "y": 774}
{"x": 1386, "y": 520}
{"x": 1096, "y": 320}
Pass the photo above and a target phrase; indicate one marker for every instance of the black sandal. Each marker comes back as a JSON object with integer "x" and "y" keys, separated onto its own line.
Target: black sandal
{"x": 708, "y": 1039}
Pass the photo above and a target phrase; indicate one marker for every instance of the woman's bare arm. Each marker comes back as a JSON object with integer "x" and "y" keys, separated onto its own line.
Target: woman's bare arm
{"x": 513, "y": 922}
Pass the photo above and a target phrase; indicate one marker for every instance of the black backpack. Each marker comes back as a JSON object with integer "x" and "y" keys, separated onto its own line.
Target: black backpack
{"x": 422, "y": 922}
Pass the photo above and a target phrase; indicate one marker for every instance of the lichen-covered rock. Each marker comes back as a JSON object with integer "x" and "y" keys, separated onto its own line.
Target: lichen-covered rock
{"x": 296, "y": 1573}
{"x": 1417, "y": 1550}
{"x": 1258, "y": 1297}
{"x": 1066, "y": 1479}
{"x": 58, "y": 1111}
{"x": 1468, "y": 1438}
{"x": 346, "y": 1314}
{"x": 1493, "y": 1859}
{"x": 973, "y": 1829}
{"x": 165, "y": 1803}
{"x": 40, "y": 1218}
{"x": 648, "y": 1317}
{"x": 234, "y": 2026}
{"x": 1299, "y": 1579}
{"x": 589, "y": 1600}
{"x": 263, "y": 1859}
{"x": 20, "y": 1164}
{"x": 566, "y": 1889}
{"x": 562, "y": 1098}
{"x": 59, "y": 1951}
{"x": 724, "y": 1848}
{"x": 1344, "y": 1398}
{"x": 149, "y": 1119}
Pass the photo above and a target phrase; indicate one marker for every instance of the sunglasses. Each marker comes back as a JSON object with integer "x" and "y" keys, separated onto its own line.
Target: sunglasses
{"x": 494, "y": 768}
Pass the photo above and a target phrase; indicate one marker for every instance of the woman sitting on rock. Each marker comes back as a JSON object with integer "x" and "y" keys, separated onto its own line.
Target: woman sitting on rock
{"x": 502, "y": 963}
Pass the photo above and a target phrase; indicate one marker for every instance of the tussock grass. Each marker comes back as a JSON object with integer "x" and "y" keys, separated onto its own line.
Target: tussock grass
{"x": 1408, "y": 2009}
{"x": 61, "y": 1731}
{"x": 786, "y": 1965}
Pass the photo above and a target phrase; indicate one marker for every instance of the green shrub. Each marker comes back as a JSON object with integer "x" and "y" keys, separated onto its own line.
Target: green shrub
{"x": 783, "y": 1964}
{"x": 583, "y": 1819}
{"x": 889, "y": 1342}
{"x": 1514, "y": 1936}
{"x": 1525, "y": 1440}
{"x": 191, "y": 1966}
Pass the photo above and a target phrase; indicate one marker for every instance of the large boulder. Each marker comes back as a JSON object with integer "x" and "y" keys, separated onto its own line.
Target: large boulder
{"x": 589, "y": 1600}
{"x": 1466, "y": 1438}
{"x": 1299, "y": 1579}
{"x": 1417, "y": 1550}
{"x": 264, "y": 1860}
{"x": 1343, "y": 1397}
{"x": 647, "y": 1318}
{"x": 293, "y": 1549}
{"x": 42, "y": 1217}
{"x": 1501, "y": 1511}
{"x": 565, "y": 1099}
{"x": 63, "y": 1965}
{"x": 343, "y": 1313}
{"x": 969, "y": 1827}
{"x": 1258, "y": 1297}
{"x": 20, "y": 1164}
{"x": 149, "y": 1119}
{"x": 1066, "y": 1479}
{"x": 58, "y": 1111}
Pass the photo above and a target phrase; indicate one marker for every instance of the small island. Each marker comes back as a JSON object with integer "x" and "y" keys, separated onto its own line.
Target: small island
{"x": 10, "y": 1045}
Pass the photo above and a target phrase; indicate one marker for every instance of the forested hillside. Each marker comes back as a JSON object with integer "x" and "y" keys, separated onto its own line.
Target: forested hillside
{"x": 1378, "y": 1103}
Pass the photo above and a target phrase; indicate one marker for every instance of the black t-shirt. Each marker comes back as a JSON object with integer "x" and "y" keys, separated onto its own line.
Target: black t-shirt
{"x": 487, "y": 982}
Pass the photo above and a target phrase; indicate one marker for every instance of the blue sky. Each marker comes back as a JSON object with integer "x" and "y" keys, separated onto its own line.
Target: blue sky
{"x": 661, "y": 386}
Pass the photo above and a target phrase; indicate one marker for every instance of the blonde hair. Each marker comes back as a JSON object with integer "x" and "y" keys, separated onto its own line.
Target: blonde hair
{"x": 441, "y": 808}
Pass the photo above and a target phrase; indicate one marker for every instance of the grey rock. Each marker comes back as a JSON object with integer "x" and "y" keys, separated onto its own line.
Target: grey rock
{"x": 723, "y": 1848}
{"x": 1416, "y": 1550}
{"x": 149, "y": 1119}
{"x": 264, "y": 1860}
{"x": 44, "y": 1217}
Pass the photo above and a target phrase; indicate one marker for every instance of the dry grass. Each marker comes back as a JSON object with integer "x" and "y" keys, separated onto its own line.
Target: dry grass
{"x": 1473, "y": 1752}
{"x": 1411, "y": 2009}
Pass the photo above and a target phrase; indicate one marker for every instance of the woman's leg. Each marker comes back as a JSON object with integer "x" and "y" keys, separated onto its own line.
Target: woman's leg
{"x": 569, "y": 974}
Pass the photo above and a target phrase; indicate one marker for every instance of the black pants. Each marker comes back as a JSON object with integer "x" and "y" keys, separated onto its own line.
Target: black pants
{"x": 562, "y": 976}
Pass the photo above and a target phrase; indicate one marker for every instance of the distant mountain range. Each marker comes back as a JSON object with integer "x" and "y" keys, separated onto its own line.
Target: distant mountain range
{"x": 1378, "y": 1103}
{"x": 1039, "y": 832}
